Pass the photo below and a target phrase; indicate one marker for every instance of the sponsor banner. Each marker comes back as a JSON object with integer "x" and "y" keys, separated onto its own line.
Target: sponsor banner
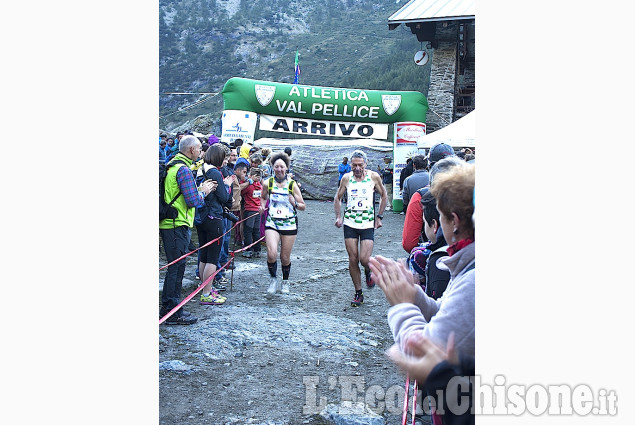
{"x": 324, "y": 103}
{"x": 238, "y": 125}
{"x": 323, "y": 128}
{"x": 406, "y": 136}
{"x": 410, "y": 132}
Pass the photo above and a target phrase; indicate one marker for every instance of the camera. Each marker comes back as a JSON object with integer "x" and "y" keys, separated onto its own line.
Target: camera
{"x": 228, "y": 214}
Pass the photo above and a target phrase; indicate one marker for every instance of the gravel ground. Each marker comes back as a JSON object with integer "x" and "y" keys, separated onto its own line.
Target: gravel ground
{"x": 303, "y": 358}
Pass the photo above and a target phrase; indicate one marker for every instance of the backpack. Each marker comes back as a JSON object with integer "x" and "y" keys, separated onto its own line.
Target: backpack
{"x": 166, "y": 210}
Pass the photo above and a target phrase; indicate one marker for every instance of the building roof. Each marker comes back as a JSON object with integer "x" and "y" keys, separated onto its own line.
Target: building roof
{"x": 433, "y": 10}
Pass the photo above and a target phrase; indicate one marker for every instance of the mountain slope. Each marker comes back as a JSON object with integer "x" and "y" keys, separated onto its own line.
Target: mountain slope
{"x": 341, "y": 43}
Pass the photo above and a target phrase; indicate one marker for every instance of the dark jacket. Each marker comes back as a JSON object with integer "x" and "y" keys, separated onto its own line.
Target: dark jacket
{"x": 439, "y": 379}
{"x": 228, "y": 171}
{"x": 417, "y": 180}
{"x": 216, "y": 199}
{"x": 408, "y": 170}
{"x": 436, "y": 280}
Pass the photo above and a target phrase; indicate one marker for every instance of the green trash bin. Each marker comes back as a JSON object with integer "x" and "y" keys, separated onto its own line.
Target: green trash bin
{"x": 397, "y": 205}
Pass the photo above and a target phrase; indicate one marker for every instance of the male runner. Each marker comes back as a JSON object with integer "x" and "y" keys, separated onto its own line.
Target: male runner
{"x": 359, "y": 218}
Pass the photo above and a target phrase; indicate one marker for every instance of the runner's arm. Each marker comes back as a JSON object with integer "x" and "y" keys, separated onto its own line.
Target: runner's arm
{"x": 379, "y": 187}
{"x": 337, "y": 200}
{"x": 297, "y": 198}
{"x": 264, "y": 193}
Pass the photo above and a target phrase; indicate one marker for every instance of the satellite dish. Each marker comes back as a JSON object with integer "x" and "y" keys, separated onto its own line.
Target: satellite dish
{"x": 421, "y": 57}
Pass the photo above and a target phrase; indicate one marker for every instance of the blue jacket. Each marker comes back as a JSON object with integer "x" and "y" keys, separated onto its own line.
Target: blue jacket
{"x": 343, "y": 169}
{"x": 171, "y": 152}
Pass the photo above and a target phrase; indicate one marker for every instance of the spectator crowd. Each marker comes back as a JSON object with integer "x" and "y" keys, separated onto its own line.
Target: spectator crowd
{"x": 431, "y": 289}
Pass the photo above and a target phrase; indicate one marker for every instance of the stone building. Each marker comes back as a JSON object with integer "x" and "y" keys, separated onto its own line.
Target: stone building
{"x": 446, "y": 29}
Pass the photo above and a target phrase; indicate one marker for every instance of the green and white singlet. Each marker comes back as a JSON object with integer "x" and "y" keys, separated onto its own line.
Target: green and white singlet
{"x": 360, "y": 206}
{"x": 281, "y": 214}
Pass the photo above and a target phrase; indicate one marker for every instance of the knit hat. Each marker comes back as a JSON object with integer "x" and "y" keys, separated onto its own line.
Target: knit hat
{"x": 419, "y": 257}
{"x": 418, "y": 261}
{"x": 212, "y": 139}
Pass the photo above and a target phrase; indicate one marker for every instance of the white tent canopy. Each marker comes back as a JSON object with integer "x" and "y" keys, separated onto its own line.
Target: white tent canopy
{"x": 460, "y": 134}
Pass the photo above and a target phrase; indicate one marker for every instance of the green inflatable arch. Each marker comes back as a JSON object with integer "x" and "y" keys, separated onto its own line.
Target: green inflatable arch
{"x": 324, "y": 103}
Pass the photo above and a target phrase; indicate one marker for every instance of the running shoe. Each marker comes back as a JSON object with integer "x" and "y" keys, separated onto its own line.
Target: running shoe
{"x": 217, "y": 295}
{"x": 369, "y": 282}
{"x": 222, "y": 280}
{"x": 273, "y": 285}
{"x": 357, "y": 300}
{"x": 256, "y": 254}
{"x": 247, "y": 254}
{"x": 212, "y": 299}
{"x": 285, "y": 287}
{"x": 218, "y": 286}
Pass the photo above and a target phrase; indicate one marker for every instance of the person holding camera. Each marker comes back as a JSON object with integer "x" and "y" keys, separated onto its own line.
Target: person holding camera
{"x": 212, "y": 226}
{"x": 251, "y": 227}
{"x": 221, "y": 280}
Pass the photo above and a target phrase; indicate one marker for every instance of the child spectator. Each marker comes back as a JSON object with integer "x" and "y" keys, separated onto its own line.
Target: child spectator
{"x": 436, "y": 279}
{"x": 255, "y": 161}
{"x": 251, "y": 225}
{"x": 241, "y": 182}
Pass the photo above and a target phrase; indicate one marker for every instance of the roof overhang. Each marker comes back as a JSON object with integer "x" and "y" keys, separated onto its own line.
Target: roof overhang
{"x": 416, "y": 11}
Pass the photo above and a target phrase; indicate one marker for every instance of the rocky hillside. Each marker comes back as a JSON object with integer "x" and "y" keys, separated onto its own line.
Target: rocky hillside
{"x": 341, "y": 43}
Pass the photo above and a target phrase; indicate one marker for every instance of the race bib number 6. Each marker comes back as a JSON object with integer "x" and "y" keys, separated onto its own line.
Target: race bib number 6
{"x": 360, "y": 204}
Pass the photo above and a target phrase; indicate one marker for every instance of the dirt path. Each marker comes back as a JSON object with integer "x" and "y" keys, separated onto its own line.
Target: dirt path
{"x": 271, "y": 361}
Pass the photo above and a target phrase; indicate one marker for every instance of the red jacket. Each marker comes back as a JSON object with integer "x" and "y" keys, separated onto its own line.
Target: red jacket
{"x": 252, "y": 200}
{"x": 413, "y": 225}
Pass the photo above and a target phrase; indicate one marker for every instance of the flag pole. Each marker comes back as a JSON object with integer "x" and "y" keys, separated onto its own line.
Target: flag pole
{"x": 296, "y": 78}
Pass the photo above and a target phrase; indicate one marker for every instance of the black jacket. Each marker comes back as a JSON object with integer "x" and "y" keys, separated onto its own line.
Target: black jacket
{"x": 436, "y": 280}
{"x": 408, "y": 170}
{"x": 463, "y": 391}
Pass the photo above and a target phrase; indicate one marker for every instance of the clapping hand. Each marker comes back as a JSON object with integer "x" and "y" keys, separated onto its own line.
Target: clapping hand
{"x": 395, "y": 279}
{"x": 208, "y": 186}
{"x": 423, "y": 355}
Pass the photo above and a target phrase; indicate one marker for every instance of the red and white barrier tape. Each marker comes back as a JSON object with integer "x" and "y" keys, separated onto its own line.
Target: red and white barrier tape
{"x": 203, "y": 246}
{"x": 232, "y": 254}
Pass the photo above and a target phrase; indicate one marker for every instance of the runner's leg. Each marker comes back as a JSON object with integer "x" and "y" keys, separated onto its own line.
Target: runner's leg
{"x": 353, "y": 262}
{"x": 365, "y": 251}
{"x": 287, "y": 242}
{"x": 272, "y": 238}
